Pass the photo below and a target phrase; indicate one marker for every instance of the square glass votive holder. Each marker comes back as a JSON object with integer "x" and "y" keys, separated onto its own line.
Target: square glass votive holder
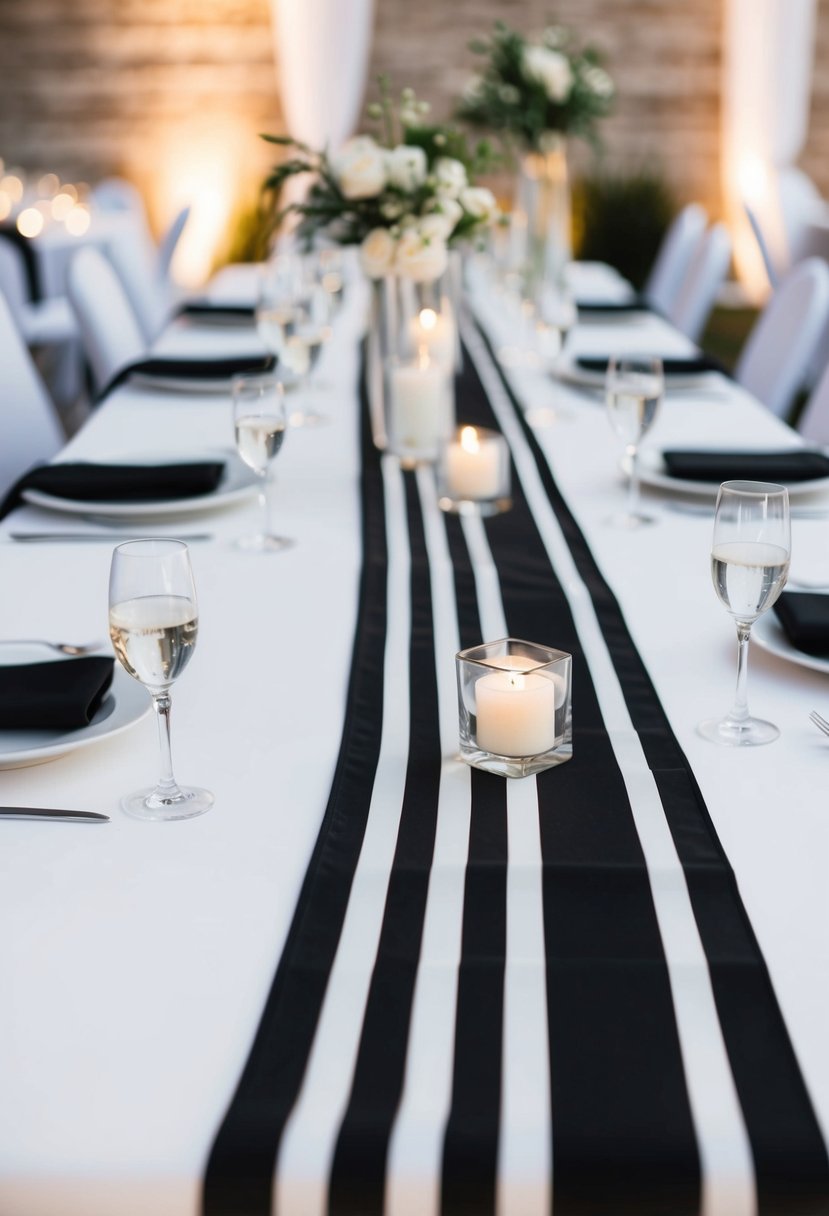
{"x": 514, "y": 707}
{"x": 473, "y": 475}
{"x": 419, "y": 406}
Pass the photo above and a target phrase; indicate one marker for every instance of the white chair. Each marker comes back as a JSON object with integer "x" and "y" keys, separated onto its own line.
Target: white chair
{"x": 674, "y": 258}
{"x": 109, "y": 329}
{"x": 29, "y": 428}
{"x": 134, "y": 258}
{"x": 813, "y": 423}
{"x": 702, "y": 283}
{"x": 763, "y": 245}
{"x": 775, "y": 361}
{"x": 118, "y": 195}
{"x": 169, "y": 242}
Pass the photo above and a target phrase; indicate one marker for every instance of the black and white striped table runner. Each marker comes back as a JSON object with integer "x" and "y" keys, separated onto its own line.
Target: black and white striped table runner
{"x": 512, "y": 996}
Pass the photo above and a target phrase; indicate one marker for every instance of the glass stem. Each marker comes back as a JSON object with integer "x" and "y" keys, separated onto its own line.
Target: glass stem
{"x": 739, "y": 712}
{"x": 167, "y": 789}
{"x": 633, "y": 483}
{"x": 263, "y": 504}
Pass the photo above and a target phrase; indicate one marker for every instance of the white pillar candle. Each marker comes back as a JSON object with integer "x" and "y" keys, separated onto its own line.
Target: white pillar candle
{"x": 474, "y": 464}
{"x": 417, "y": 417}
{"x": 435, "y": 332}
{"x": 516, "y": 710}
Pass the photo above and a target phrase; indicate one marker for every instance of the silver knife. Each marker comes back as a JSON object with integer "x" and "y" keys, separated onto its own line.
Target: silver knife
{"x": 100, "y": 537}
{"x": 40, "y": 812}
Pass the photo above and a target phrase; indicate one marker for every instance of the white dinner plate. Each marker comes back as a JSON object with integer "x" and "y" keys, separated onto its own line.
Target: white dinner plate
{"x": 181, "y": 384}
{"x": 769, "y": 635}
{"x": 238, "y": 482}
{"x": 569, "y": 372}
{"x": 653, "y": 472}
{"x": 125, "y": 704}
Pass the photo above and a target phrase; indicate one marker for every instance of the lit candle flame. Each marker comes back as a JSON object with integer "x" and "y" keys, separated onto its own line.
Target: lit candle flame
{"x": 469, "y": 439}
{"x": 428, "y": 318}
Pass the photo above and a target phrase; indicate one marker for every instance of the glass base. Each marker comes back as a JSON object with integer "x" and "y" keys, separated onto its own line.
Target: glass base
{"x": 626, "y": 522}
{"x": 264, "y": 543}
{"x": 753, "y": 732}
{"x": 482, "y": 507}
{"x": 516, "y": 766}
{"x": 147, "y": 804}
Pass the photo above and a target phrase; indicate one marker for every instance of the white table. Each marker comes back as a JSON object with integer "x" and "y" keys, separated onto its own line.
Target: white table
{"x": 137, "y": 957}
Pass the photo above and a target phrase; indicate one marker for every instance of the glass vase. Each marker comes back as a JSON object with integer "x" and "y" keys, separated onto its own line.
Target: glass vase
{"x": 544, "y": 196}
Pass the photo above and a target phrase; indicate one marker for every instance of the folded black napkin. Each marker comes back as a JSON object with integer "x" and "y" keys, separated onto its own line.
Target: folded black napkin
{"x": 192, "y": 369}
{"x": 62, "y": 695}
{"x": 804, "y": 616}
{"x": 671, "y": 365}
{"x": 787, "y": 466}
{"x": 614, "y": 306}
{"x": 118, "y": 482}
{"x": 215, "y": 308}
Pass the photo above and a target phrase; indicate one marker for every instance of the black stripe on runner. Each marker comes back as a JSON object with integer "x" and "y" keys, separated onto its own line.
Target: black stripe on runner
{"x": 357, "y": 1184}
{"x": 790, "y": 1156}
{"x": 470, "y": 1148}
{"x": 239, "y": 1175}
{"x": 623, "y": 1138}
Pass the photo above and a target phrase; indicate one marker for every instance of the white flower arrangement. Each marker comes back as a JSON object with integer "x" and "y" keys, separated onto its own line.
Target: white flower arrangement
{"x": 403, "y": 201}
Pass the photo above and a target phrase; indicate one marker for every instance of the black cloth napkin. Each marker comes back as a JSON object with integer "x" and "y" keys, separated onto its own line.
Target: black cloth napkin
{"x": 671, "y": 365}
{"x": 192, "y": 369}
{"x": 118, "y": 482}
{"x": 804, "y": 616}
{"x": 614, "y": 306}
{"x": 215, "y": 308}
{"x": 63, "y": 695}
{"x": 787, "y": 466}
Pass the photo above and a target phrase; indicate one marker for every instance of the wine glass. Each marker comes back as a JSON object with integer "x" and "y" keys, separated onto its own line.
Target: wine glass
{"x": 259, "y": 423}
{"x": 311, "y": 330}
{"x": 750, "y": 554}
{"x": 633, "y": 391}
{"x": 153, "y": 623}
{"x": 555, "y": 316}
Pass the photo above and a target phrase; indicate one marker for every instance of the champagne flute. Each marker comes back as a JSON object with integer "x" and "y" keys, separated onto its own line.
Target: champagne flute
{"x": 555, "y": 317}
{"x": 633, "y": 391}
{"x": 749, "y": 565}
{"x": 311, "y": 330}
{"x": 259, "y": 424}
{"x": 153, "y": 623}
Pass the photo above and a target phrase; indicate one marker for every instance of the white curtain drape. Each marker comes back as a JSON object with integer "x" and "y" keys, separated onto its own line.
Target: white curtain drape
{"x": 322, "y": 49}
{"x": 766, "y": 88}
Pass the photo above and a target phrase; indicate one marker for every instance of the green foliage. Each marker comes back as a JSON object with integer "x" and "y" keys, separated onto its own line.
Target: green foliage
{"x": 529, "y": 88}
{"x": 621, "y": 219}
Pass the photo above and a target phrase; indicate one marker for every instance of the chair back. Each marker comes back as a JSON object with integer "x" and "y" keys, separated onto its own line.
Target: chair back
{"x": 135, "y": 260}
{"x": 29, "y": 428}
{"x": 116, "y": 194}
{"x": 674, "y": 258}
{"x": 702, "y": 283}
{"x": 13, "y": 277}
{"x": 813, "y": 423}
{"x": 775, "y": 361}
{"x": 109, "y": 329}
{"x": 169, "y": 241}
{"x": 765, "y": 251}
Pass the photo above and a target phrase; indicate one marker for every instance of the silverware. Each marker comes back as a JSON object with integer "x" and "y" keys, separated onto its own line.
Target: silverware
{"x": 69, "y": 648}
{"x": 100, "y": 537}
{"x": 41, "y": 812}
{"x": 819, "y": 722}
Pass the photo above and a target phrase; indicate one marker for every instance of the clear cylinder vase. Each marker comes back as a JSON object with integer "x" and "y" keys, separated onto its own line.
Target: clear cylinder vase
{"x": 544, "y": 196}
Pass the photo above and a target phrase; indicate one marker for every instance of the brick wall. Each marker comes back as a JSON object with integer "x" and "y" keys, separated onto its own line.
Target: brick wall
{"x": 94, "y": 87}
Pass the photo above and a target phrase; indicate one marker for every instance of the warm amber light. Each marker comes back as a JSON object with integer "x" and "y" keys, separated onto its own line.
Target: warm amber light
{"x": 30, "y": 222}
{"x": 469, "y": 439}
{"x": 77, "y": 220}
{"x": 5, "y": 205}
{"x": 48, "y": 185}
{"x": 62, "y": 204}
{"x": 428, "y": 318}
{"x": 12, "y": 186}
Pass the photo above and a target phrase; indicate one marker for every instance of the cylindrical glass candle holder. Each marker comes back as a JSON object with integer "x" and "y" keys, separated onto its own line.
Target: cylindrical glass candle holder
{"x": 419, "y": 407}
{"x": 474, "y": 473}
{"x": 514, "y": 707}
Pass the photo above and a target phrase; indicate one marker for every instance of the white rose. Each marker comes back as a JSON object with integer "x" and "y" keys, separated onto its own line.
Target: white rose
{"x": 479, "y": 202}
{"x": 447, "y": 212}
{"x": 598, "y": 82}
{"x": 550, "y": 69}
{"x": 473, "y": 89}
{"x": 450, "y": 176}
{"x": 360, "y": 168}
{"x": 421, "y": 256}
{"x": 377, "y": 253}
{"x": 406, "y": 167}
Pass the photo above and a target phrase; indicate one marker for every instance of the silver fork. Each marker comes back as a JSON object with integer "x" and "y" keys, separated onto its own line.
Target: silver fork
{"x": 819, "y": 722}
{"x": 69, "y": 648}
